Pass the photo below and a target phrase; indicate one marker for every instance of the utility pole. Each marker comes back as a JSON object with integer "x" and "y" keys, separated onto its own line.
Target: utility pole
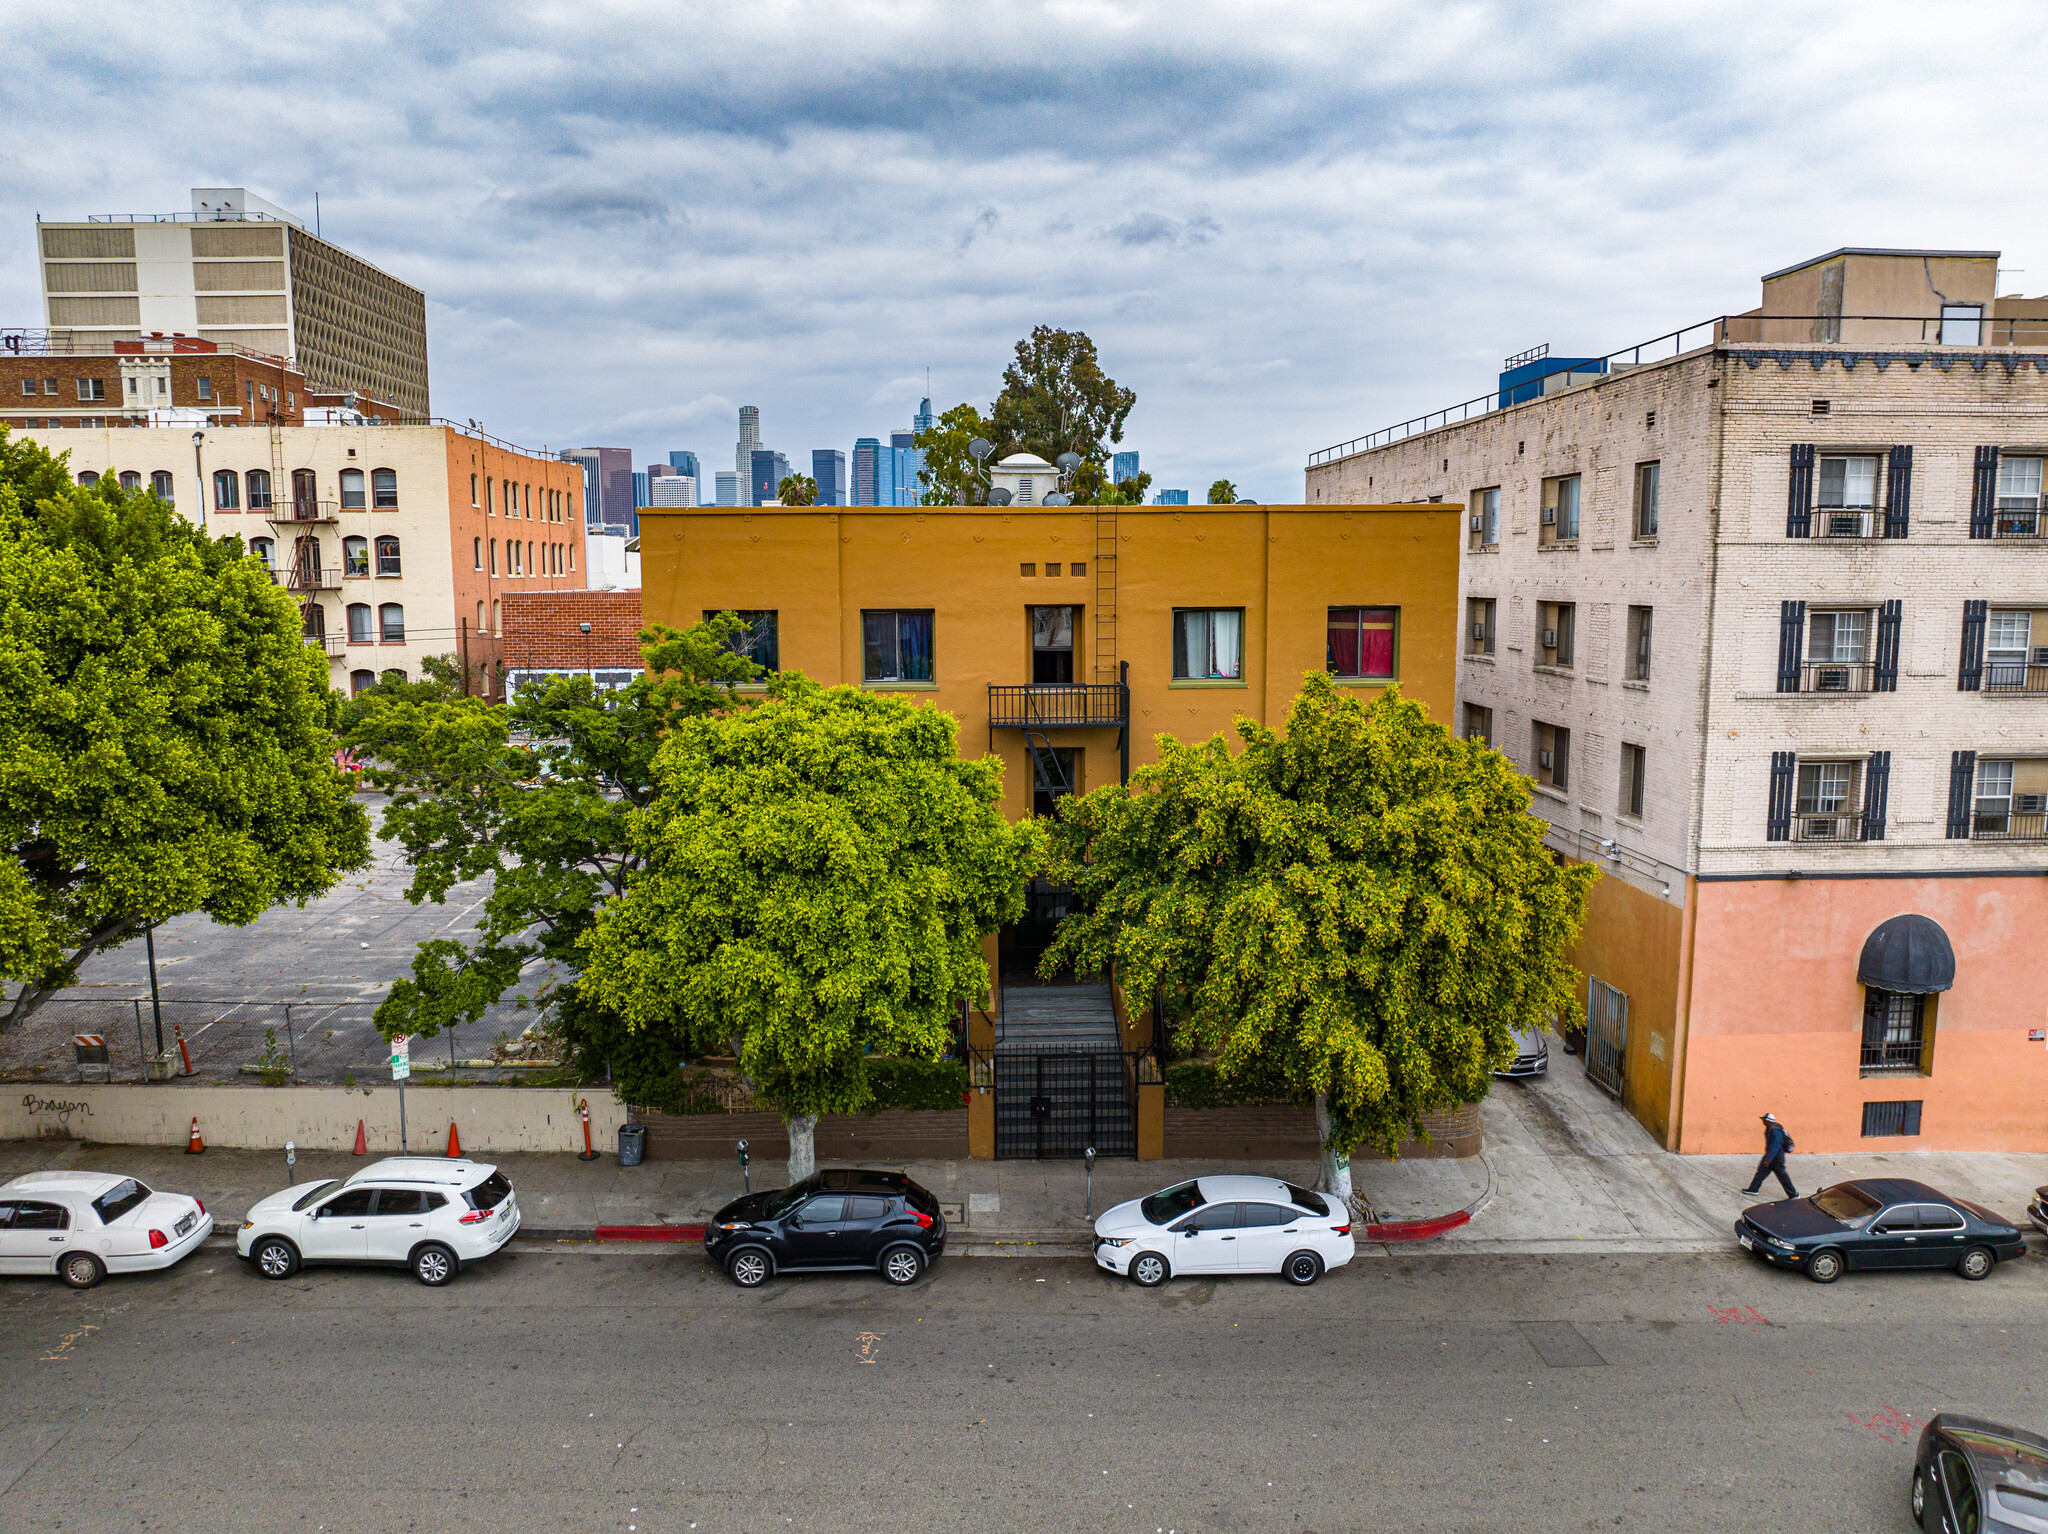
{"x": 588, "y": 666}
{"x": 156, "y": 1007}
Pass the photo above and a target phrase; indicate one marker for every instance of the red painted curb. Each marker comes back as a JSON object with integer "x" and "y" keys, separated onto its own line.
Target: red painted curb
{"x": 650, "y": 1233}
{"x": 1417, "y": 1230}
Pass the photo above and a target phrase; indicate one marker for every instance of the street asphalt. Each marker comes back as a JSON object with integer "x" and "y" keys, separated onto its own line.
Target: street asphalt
{"x": 552, "y": 1389}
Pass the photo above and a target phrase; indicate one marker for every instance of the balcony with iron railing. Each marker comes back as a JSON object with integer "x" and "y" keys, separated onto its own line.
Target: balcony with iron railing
{"x": 332, "y": 645}
{"x": 2018, "y": 517}
{"x": 306, "y": 576}
{"x": 2017, "y": 678}
{"x": 1054, "y": 706}
{"x": 1998, "y": 825}
{"x": 303, "y": 512}
{"x": 1828, "y": 826}
{"x": 1834, "y": 676}
{"x": 1845, "y": 523}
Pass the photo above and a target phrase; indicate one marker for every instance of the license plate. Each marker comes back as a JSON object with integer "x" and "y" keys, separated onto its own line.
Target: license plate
{"x": 1747, "y": 1245}
{"x": 186, "y": 1224}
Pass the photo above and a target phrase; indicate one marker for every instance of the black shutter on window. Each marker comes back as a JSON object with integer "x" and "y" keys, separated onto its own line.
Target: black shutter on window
{"x": 1984, "y": 493}
{"x": 1898, "y": 492}
{"x": 1791, "y": 644}
{"x": 1778, "y": 828}
{"x": 1885, "y": 677}
{"x": 1962, "y": 783}
{"x": 1799, "y": 505}
{"x": 1970, "y": 673}
{"x": 1877, "y": 784}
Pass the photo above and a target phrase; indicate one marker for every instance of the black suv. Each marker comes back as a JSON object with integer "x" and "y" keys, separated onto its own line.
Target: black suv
{"x": 835, "y": 1221}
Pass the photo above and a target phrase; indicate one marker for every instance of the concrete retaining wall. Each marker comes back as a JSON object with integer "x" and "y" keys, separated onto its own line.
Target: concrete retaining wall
{"x": 1286, "y": 1130}
{"x": 890, "y": 1136}
{"x": 492, "y": 1120}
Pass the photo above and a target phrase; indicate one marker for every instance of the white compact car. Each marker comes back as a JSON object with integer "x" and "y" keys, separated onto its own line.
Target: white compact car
{"x": 84, "y": 1225}
{"x": 418, "y": 1212}
{"x": 1225, "y": 1225}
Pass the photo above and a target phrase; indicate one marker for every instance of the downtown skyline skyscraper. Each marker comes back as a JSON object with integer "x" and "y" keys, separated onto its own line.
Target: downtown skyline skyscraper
{"x": 750, "y": 440}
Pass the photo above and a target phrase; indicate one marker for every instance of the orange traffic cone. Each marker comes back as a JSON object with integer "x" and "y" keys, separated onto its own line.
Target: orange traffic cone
{"x": 197, "y": 1147}
{"x": 362, "y": 1141}
{"x": 454, "y": 1141}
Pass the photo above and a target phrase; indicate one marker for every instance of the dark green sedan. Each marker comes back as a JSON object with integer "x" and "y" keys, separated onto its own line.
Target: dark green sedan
{"x": 1878, "y": 1222}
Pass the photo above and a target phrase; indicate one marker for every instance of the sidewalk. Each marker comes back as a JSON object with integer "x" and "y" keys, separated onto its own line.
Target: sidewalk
{"x": 1565, "y": 1170}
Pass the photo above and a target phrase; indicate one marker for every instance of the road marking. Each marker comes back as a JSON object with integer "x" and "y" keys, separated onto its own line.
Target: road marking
{"x": 867, "y": 1346}
{"x": 1890, "y": 1424}
{"x": 1740, "y": 1315}
{"x": 57, "y": 1355}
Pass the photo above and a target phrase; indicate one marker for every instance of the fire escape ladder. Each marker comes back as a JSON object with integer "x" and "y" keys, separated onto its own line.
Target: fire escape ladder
{"x": 1105, "y": 594}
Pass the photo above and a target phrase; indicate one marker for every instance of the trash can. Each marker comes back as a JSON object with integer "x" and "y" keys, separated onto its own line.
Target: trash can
{"x": 632, "y": 1143}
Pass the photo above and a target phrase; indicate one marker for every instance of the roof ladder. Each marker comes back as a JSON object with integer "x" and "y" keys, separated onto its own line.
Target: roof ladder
{"x": 1105, "y": 594}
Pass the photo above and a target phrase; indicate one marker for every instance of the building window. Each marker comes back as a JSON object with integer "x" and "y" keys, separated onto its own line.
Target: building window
{"x": 1479, "y": 626}
{"x": 352, "y": 497}
{"x": 1825, "y": 810}
{"x": 391, "y": 623}
{"x": 387, "y": 555}
{"x": 1361, "y": 643}
{"x": 359, "y": 630}
{"x": 494, "y": 556}
{"x": 313, "y": 621}
{"x": 50, "y": 386}
{"x": 1895, "y": 1033}
{"x": 509, "y": 495}
{"x": 896, "y": 646}
{"x": 384, "y": 489}
{"x": 92, "y": 388}
{"x": 1837, "y": 644}
{"x": 1052, "y": 645}
{"x": 1962, "y": 324}
{"x": 359, "y": 680}
{"x": 1633, "y": 760}
{"x": 476, "y": 550}
{"x": 1556, "y": 626}
{"x": 490, "y": 501}
{"x": 87, "y": 477}
{"x": 481, "y": 628}
{"x": 2011, "y": 664}
{"x": 355, "y": 556}
{"x": 1552, "y": 745}
{"x": 1055, "y": 773}
{"x": 394, "y": 674}
{"x": 259, "y": 489}
{"x": 1208, "y": 644}
{"x": 1479, "y": 724}
{"x": 1646, "y": 498}
{"x": 1561, "y": 510}
{"x": 2019, "y": 497}
{"x": 1848, "y": 496}
{"x": 497, "y": 615}
{"x": 1639, "y": 644}
{"x": 1883, "y": 1119}
{"x": 163, "y": 485}
{"x": 227, "y": 490}
{"x": 28, "y": 387}
{"x": 759, "y": 641}
{"x": 265, "y": 552}
{"x": 205, "y": 387}
{"x": 1485, "y": 520}
{"x": 131, "y": 479}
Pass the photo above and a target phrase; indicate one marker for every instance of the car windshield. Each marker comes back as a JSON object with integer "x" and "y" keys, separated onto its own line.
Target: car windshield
{"x": 782, "y": 1200}
{"x": 1312, "y": 1202}
{"x": 312, "y": 1193}
{"x": 119, "y": 1199}
{"x": 1845, "y": 1202}
{"x": 1170, "y": 1204}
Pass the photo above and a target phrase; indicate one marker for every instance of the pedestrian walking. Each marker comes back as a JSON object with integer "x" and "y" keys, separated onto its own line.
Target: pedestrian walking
{"x": 1777, "y": 1145}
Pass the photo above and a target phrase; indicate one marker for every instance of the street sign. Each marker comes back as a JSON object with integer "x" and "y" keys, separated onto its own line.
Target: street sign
{"x": 401, "y": 1057}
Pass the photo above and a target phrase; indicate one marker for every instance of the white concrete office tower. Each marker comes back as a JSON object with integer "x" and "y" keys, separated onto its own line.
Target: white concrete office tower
{"x": 728, "y": 488}
{"x": 238, "y": 270}
{"x": 671, "y": 490}
{"x": 750, "y": 439}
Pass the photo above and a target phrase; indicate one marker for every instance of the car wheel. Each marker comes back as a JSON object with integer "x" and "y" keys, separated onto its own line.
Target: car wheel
{"x": 1919, "y": 1499}
{"x": 81, "y": 1270}
{"x": 750, "y": 1268}
{"x": 1148, "y": 1270}
{"x": 1303, "y": 1269}
{"x": 433, "y": 1266}
{"x": 1977, "y": 1263}
{"x": 1825, "y": 1267}
{"x": 902, "y": 1264}
{"x": 276, "y": 1258}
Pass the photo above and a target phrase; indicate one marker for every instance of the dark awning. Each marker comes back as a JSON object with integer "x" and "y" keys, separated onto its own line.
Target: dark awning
{"x": 1908, "y": 953}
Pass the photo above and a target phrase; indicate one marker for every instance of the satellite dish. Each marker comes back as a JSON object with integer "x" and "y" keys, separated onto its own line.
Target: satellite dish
{"x": 999, "y": 497}
{"x": 1246, "y": 501}
{"x": 1057, "y": 499}
{"x": 980, "y": 448}
{"x": 1068, "y": 462}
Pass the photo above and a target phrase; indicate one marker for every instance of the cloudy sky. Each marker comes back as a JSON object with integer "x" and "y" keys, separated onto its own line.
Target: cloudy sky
{"x": 1283, "y": 225}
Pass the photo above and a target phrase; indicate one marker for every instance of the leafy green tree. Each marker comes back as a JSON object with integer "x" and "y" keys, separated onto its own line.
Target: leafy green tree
{"x": 819, "y": 872}
{"x": 797, "y": 490}
{"x": 165, "y": 731}
{"x": 1056, "y": 399}
{"x": 1362, "y": 909}
{"x": 951, "y": 477}
{"x": 1222, "y": 493}
{"x": 537, "y": 796}
{"x": 1091, "y": 486}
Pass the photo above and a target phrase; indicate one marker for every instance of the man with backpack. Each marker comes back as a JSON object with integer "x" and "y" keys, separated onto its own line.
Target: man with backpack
{"x": 1777, "y": 1145}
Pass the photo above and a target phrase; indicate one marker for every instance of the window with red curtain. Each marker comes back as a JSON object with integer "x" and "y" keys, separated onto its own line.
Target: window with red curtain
{"x": 1361, "y": 642}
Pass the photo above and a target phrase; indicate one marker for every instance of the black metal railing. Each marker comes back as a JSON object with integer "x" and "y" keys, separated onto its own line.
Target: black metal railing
{"x": 1825, "y": 826}
{"x": 1079, "y": 705}
{"x": 2009, "y": 827}
{"x": 2012, "y": 677}
{"x": 1892, "y": 1057}
{"x": 304, "y": 511}
{"x": 2011, "y": 523}
{"x": 1836, "y": 676}
{"x": 1845, "y": 522}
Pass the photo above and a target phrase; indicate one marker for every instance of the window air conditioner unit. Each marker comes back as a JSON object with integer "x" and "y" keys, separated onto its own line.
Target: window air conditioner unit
{"x": 1550, "y": 516}
{"x": 1478, "y": 524}
{"x": 1550, "y": 639}
{"x": 1543, "y": 760}
{"x": 1831, "y": 679}
{"x": 2041, "y": 655}
{"x": 1478, "y": 631}
{"x": 2030, "y": 804}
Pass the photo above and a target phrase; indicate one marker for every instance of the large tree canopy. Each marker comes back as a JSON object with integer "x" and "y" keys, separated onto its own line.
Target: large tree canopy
{"x": 1056, "y": 399}
{"x": 1362, "y": 909}
{"x": 165, "y": 740}
{"x": 820, "y": 871}
{"x": 537, "y": 796}
{"x": 951, "y": 477}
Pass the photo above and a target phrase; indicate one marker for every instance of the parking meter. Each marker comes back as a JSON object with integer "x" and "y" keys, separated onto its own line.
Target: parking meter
{"x": 291, "y": 1159}
{"x": 746, "y": 1176}
{"x": 1088, "y": 1156}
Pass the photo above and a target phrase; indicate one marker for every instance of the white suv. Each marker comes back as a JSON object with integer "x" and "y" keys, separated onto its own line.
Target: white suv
{"x": 418, "y": 1212}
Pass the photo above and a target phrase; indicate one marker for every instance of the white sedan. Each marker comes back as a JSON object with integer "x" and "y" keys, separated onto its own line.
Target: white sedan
{"x": 1225, "y": 1225}
{"x": 84, "y": 1225}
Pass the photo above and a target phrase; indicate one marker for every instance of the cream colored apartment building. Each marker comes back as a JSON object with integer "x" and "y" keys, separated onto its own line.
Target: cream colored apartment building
{"x": 1762, "y": 611}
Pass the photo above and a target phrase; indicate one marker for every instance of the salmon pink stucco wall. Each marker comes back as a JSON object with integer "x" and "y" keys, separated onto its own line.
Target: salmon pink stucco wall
{"x": 1777, "y": 1015}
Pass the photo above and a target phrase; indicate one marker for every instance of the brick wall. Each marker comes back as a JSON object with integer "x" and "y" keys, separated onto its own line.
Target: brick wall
{"x": 542, "y": 628}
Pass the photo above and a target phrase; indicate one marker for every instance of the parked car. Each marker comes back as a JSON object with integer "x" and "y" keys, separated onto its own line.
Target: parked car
{"x": 1878, "y": 1222}
{"x": 1225, "y": 1225}
{"x": 1976, "y": 1477}
{"x": 2038, "y": 1210}
{"x": 82, "y": 1226}
{"x": 1532, "y": 1054}
{"x": 842, "y": 1220}
{"x": 419, "y": 1212}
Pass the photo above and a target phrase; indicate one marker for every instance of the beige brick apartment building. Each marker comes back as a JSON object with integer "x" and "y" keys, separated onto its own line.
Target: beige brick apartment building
{"x": 1762, "y": 609}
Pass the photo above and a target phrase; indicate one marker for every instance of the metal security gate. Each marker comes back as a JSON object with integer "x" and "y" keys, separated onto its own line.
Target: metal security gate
{"x": 1054, "y": 1104}
{"x": 1606, "y": 1036}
